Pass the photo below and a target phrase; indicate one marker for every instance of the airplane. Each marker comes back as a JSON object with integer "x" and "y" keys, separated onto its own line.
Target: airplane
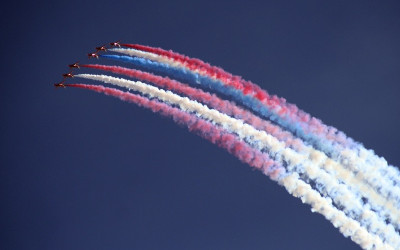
{"x": 116, "y": 44}
{"x": 60, "y": 84}
{"x": 101, "y": 48}
{"x": 93, "y": 55}
{"x": 74, "y": 65}
{"x": 68, "y": 75}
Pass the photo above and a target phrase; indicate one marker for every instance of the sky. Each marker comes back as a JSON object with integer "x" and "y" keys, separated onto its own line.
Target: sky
{"x": 79, "y": 170}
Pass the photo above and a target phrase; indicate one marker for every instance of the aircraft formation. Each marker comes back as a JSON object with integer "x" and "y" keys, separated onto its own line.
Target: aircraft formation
{"x": 90, "y": 55}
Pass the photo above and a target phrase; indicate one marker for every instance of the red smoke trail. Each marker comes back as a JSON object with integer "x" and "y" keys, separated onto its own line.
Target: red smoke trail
{"x": 210, "y": 100}
{"x": 279, "y": 105}
{"x": 205, "y": 129}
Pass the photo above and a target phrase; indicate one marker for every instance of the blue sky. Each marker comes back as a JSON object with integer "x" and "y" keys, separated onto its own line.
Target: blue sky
{"x": 84, "y": 171}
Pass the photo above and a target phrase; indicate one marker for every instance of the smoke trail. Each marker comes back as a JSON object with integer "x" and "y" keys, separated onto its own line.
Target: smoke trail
{"x": 192, "y": 63}
{"x": 247, "y": 87}
{"x": 358, "y": 164}
{"x": 247, "y": 154}
{"x": 259, "y": 139}
{"x": 378, "y": 203}
{"x": 287, "y": 111}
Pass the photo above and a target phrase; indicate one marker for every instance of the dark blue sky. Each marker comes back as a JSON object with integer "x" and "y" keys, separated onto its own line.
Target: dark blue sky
{"x": 84, "y": 171}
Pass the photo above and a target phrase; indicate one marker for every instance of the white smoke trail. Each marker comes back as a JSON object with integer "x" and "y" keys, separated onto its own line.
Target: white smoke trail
{"x": 385, "y": 208}
{"x": 364, "y": 164}
{"x": 331, "y": 186}
{"x": 371, "y": 167}
{"x": 347, "y": 226}
{"x": 374, "y": 170}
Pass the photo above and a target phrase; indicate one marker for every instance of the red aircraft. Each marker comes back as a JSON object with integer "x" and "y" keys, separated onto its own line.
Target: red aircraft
{"x": 101, "y": 48}
{"x": 60, "y": 84}
{"x": 68, "y": 75}
{"x": 93, "y": 55}
{"x": 74, "y": 65}
{"x": 116, "y": 44}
